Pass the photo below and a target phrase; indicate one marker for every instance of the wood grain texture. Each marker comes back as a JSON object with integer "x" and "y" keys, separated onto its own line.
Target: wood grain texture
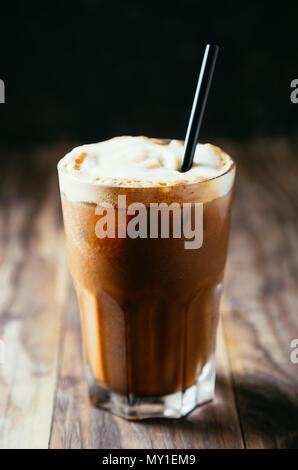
{"x": 43, "y": 393}
{"x": 32, "y": 283}
{"x": 261, "y": 316}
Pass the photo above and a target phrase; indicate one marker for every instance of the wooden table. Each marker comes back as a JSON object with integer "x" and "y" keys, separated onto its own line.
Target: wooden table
{"x": 43, "y": 394}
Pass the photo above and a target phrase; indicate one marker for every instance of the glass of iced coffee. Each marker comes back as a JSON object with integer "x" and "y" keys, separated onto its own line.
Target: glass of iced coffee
{"x": 147, "y": 247}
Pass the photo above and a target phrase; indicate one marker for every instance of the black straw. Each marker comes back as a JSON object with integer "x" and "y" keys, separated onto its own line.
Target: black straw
{"x": 198, "y": 107}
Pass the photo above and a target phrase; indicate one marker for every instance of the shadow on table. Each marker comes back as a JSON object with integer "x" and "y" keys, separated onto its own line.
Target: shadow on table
{"x": 268, "y": 416}
{"x": 268, "y": 409}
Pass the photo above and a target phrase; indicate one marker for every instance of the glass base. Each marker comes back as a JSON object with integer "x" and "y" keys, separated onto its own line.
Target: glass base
{"x": 174, "y": 405}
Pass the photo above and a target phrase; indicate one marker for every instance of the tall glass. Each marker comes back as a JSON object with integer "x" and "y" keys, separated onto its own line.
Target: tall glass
{"x": 149, "y": 306}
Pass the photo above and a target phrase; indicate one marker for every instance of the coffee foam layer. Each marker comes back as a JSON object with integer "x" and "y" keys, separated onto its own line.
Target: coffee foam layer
{"x": 137, "y": 162}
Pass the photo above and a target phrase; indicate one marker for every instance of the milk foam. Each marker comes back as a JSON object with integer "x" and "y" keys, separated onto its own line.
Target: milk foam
{"x": 137, "y": 162}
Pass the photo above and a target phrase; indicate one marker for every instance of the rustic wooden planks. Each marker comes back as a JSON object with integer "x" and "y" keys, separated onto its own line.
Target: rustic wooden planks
{"x": 261, "y": 316}
{"x": 43, "y": 393}
{"x": 32, "y": 284}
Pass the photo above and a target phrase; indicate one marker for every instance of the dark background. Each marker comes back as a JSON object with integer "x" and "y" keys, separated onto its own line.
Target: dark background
{"x": 89, "y": 70}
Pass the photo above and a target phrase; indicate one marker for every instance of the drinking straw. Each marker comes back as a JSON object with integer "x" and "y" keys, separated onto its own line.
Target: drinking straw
{"x": 198, "y": 107}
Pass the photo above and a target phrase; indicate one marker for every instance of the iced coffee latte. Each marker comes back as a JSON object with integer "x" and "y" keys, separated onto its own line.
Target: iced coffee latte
{"x": 149, "y": 298}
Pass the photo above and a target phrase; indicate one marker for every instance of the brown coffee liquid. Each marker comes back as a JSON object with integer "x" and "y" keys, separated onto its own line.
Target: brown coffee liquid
{"x": 149, "y": 307}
